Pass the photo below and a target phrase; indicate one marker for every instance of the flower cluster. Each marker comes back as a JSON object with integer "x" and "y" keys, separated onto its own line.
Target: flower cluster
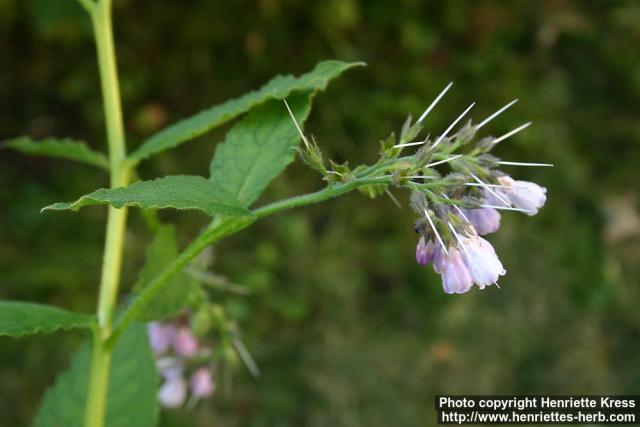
{"x": 455, "y": 208}
{"x": 467, "y": 258}
{"x": 464, "y": 205}
{"x": 179, "y": 355}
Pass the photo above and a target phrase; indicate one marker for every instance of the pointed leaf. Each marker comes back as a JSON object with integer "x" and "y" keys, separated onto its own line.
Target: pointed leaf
{"x": 176, "y": 191}
{"x": 277, "y": 88}
{"x": 133, "y": 382}
{"x": 62, "y": 148}
{"x": 22, "y": 318}
{"x": 258, "y": 148}
{"x": 176, "y": 295}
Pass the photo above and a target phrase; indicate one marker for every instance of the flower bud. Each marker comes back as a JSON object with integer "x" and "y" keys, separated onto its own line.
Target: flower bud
{"x": 184, "y": 343}
{"x": 456, "y": 278}
{"x": 425, "y": 251}
{"x": 466, "y": 133}
{"x": 525, "y": 195}
{"x": 201, "y": 383}
{"x": 483, "y": 220}
{"x": 388, "y": 149}
{"x": 172, "y": 393}
{"x": 160, "y": 336}
{"x": 312, "y": 156}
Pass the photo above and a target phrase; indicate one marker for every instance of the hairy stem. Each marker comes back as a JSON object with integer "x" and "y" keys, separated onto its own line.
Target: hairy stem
{"x": 100, "y": 13}
{"x": 319, "y": 196}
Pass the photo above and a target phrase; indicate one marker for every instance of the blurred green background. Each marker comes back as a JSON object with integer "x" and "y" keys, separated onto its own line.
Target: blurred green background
{"x": 346, "y": 328}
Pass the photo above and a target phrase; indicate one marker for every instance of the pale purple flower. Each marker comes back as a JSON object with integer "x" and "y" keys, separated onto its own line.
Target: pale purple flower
{"x": 456, "y": 277}
{"x": 184, "y": 344}
{"x": 202, "y": 384}
{"x": 483, "y": 220}
{"x": 481, "y": 260}
{"x": 425, "y": 251}
{"x": 524, "y": 195}
{"x": 438, "y": 260}
{"x": 173, "y": 392}
{"x": 160, "y": 336}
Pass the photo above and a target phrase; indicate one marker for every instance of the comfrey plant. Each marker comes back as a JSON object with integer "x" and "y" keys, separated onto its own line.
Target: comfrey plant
{"x": 165, "y": 341}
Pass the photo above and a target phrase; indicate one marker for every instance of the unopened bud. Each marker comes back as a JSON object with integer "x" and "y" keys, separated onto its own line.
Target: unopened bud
{"x": 409, "y": 131}
{"x": 312, "y": 156}
{"x": 419, "y": 202}
{"x": 485, "y": 144}
{"x": 465, "y": 134}
{"x": 388, "y": 149}
{"x": 201, "y": 321}
{"x": 488, "y": 161}
{"x": 339, "y": 172}
{"x": 184, "y": 343}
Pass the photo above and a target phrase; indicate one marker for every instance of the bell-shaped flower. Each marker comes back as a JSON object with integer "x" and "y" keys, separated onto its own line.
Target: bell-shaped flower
{"x": 160, "y": 336}
{"x": 456, "y": 277}
{"x": 173, "y": 392}
{"x": 201, "y": 383}
{"x": 483, "y": 220}
{"x": 525, "y": 195}
{"x": 481, "y": 260}
{"x": 184, "y": 343}
{"x": 438, "y": 259}
{"x": 425, "y": 251}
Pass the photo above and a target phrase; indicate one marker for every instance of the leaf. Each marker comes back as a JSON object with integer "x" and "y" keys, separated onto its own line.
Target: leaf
{"x": 133, "y": 382}
{"x": 258, "y": 148}
{"x": 176, "y": 191}
{"x": 176, "y": 295}
{"x": 277, "y": 88}
{"x": 22, "y": 318}
{"x": 62, "y": 148}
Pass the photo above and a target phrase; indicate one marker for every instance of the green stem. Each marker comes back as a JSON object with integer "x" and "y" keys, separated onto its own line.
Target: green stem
{"x": 319, "y": 196}
{"x": 100, "y": 13}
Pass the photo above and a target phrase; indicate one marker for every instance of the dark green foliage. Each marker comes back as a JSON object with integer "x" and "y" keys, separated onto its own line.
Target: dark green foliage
{"x": 20, "y": 318}
{"x": 346, "y": 329}
{"x": 180, "y": 292}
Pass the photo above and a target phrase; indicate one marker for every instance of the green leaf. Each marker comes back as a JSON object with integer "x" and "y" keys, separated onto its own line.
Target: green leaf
{"x": 133, "y": 383}
{"x": 258, "y": 148}
{"x": 62, "y": 148}
{"x": 176, "y": 294}
{"x": 22, "y": 318}
{"x": 177, "y": 192}
{"x": 277, "y": 88}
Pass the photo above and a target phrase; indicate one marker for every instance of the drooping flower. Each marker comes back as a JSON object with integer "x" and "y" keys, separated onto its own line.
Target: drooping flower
{"x": 483, "y": 220}
{"x": 425, "y": 251}
{"x": 184, "y": 343}
{"x": 201, "y": 383}
{"x": 172, "y": 392}
{"x": 186, "y": 371}
{"x": 481, "y": 260}
{"x": 160, "y": 336}
{"x": 456, "y": 277}
{"x": 524, "y": 195}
